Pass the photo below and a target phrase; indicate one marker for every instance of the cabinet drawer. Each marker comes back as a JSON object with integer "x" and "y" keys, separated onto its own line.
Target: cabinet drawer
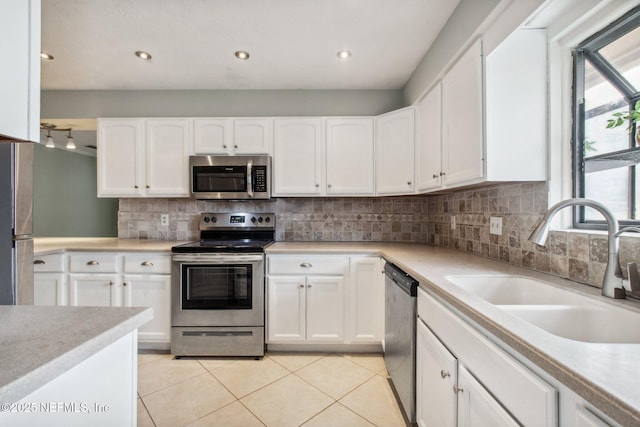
{"x": 52, "y": 263}
{"x": 147, "y": 263}
{"x": 528, "y": 397}
{"x": 93, "y": 263}
{"x": 307, "y": 264}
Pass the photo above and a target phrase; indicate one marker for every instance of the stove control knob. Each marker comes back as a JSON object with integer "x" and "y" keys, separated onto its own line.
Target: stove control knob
{"x": 253, "y": 219}
{"x": 260, "y": 219}
{"x": 206, "y": 219}
{"x": 267, "y": 219}
{"x": 214, "y": 219}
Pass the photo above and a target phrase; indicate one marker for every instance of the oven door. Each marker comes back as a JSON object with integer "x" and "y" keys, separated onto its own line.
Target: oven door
{"x": 217, "y": 290}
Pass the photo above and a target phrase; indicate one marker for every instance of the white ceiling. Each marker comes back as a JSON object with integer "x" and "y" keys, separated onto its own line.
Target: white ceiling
{"x": 293, "y": 43}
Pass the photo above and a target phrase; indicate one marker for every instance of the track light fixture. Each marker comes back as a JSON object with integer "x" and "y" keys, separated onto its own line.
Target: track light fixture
{"x": 51, "y": 127}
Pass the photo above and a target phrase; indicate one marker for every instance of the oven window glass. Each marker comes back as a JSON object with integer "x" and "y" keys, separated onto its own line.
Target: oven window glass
{"x": 220, "y": 179}
{"x": 216, "y": 286}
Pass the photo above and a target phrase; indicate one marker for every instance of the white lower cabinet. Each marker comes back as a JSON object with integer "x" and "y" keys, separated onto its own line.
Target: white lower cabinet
{"x": 319, "y": 299}
{"x": 110, "y": 279}
{"x": 491, "y": 389}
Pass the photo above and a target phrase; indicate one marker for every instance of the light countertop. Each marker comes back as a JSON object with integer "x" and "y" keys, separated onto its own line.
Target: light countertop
{"x": 41, "y": 343}
{"x": 44, "y": 245}
{"x": 607, "y": 375}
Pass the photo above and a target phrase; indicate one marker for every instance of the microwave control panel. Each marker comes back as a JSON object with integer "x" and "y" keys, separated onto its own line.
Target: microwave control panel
{"x": 260, "y": 179}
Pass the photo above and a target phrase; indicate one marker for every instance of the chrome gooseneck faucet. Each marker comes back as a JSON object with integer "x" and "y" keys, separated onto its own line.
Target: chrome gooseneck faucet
{"x": 612, "y": 281}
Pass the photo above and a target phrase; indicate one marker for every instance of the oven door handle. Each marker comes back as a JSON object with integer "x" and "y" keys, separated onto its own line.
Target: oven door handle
{"x": 216, "y": 259}
{"x": 249, "y": 179}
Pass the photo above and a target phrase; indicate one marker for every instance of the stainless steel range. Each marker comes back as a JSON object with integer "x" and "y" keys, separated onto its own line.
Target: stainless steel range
{"x": 217, "y": 287}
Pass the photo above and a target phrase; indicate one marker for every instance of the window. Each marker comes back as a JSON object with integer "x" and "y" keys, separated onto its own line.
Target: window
{"x": 606, "y": 161}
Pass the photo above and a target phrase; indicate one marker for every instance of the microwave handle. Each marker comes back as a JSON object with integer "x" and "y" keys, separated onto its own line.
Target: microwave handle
{"x": 250, "y": 179}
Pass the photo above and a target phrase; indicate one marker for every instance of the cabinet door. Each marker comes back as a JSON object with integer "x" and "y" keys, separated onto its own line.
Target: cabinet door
{"x": 476, "y": 406}
{"x": 167, "y": 157}
{"x": 436, "y": 374}
{"x": 286, "y": 308}
{"x": 395, "y": 157}
{"x": 151, "y": 290}
{"x": 297, "y": 157}
{"x": 251, "y": 136}
{"x": 349, "y": 165}
{"x": 20, "y": 73}
{"x": 366, "y": 300}
{"x": 49, "y": 289}
{"x": 429, "y": 140}
{"x": 211, "y": 136}
{"x": 120, "y": 157}
{"x": 325, "y": 308}
{"x": 462, "y": 104}
{"x": 95, "y": 290}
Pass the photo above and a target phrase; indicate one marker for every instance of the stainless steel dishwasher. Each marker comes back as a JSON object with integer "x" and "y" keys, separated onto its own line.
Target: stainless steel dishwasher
{"x": 400, "y": 336}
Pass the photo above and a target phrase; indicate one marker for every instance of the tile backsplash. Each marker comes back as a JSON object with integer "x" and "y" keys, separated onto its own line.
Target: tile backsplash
{"x": 424, "y": 219}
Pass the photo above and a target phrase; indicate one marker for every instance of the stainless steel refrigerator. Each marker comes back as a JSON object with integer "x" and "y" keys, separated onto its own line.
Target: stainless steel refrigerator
{"x": 16, "y": 229}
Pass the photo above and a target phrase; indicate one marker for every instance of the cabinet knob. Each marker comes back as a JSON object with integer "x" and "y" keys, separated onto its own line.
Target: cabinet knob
{"x": 435, "y": 176}
{"x": 235, "y": 147}
{"x": 110, "y": 283}
{"x": 38, "y": 261}
{"x": 305, "y": 265}
{"x": 224, "y": 146}
{"x": 124, "y": 283}
{"x": 444, "y": 374}
{"x": 93, "y": 263}
{"x": 146, "y": 264}
{"x": 457, "y": 389}
{"x": 147, "y": 186}
{"x": 135, "y": 186}
{"x": 301, "y": 285}
{"x": 308, "y": 286}
{"x": 317, "y": 185}
{"x": 328, "y": 185}
{"x": 408, "y": 182}
{"x": 442, "y": 173}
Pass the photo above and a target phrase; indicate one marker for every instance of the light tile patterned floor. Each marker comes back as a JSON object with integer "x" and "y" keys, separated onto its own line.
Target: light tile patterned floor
{"x": 281, "y": 390}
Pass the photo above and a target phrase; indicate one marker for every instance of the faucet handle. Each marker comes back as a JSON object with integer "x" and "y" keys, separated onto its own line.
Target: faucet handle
{"x": 634, "y": 277}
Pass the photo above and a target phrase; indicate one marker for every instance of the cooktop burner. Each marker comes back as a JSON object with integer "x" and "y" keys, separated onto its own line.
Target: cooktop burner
{"x": 232, "y": 233}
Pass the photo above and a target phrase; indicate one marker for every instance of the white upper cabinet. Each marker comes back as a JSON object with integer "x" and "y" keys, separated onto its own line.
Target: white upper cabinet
{"x": 350, "y": 146}
{"x": 120, "y": 157}
{"x": 20, "y": 70}
{"x": 220, "y": 135}
{"x": 251, "y": 136}
{"x": 167, "y": 157}
{"x": 298, "y": 156}
{"x": 463, "y": 136}
{"x": 429, "y": 140}
{"x": 395, "y": 152}
{"x": 211, "y": 136}
{"x": 143, "y": 157}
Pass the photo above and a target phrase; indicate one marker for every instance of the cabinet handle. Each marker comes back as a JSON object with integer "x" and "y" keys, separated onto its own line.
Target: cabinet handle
{"x": 457, "y": 389}
{"x": 38, "y": 261}
{"x": 442, "y": 173}
{"x": 146, "y": 264}
{"x": 93, "y": 263}
{"x": 305, "y": 265}
{"x": 444, "y": 374}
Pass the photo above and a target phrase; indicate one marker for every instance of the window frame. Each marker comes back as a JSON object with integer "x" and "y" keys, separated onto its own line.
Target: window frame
{"x": 588, "y": 51}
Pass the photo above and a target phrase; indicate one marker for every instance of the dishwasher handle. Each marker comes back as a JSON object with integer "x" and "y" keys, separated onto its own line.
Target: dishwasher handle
{"x": 405, "y": 282}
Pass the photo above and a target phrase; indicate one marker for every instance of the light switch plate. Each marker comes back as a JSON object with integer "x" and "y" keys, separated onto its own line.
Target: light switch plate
{"x": 495, "y": 225}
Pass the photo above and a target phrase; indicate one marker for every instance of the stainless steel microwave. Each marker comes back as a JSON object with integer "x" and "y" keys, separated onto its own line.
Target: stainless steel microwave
{"x": 230, "y": 177}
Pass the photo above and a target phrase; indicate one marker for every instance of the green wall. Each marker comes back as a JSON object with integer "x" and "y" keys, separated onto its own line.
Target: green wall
{"x": 64, "y": 197}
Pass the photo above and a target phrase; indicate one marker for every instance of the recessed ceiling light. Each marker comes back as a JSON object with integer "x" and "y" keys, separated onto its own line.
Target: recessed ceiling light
{"x": 344, "y": 54}
{"x": 47, "y": 56}
{"x": 242, "y": 55}
{"x": 143, "y": 55}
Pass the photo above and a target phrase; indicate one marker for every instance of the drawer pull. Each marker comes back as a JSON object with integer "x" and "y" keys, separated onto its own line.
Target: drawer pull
{"x": 93, "y": 263}
{"x": 444, "y": 374}
{"x": 146, "y": 264}
{"x": 457, "y": 389}
{"x": 38, "y": 261}
{"x": 305, "y": 265}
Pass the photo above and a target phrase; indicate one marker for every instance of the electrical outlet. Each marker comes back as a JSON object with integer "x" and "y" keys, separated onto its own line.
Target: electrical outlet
{"x": 495, "y": 225}
{"x": 164, "y": 220}
{"x": 453, "y": 222}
